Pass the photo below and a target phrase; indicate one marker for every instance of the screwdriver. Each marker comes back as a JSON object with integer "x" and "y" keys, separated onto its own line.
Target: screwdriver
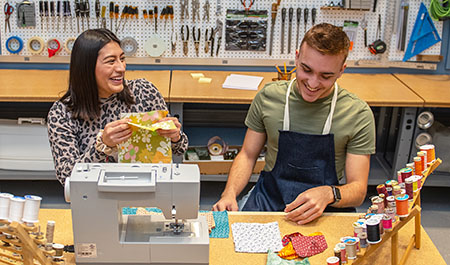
{"x": 69, "y": 14}
{"x": 299, "y": 15}
{"x": 272, "y": 26}
{"x": 313, "y": 16}
{"x": 104, "y": 17}
{"x": 41, "y": 14}
{"x": 46, "y": 12}
{"x": 52, "y": 11}
{"x": 155, "y": 13}
{"x": 97, "y": 12}
{"x": 123, "y": 16}
{"x": 283, "y": 18}
{"x": 111, "y": 14}
{"x": 116, "y": 15}
{"x": 150, "y": 15}
{"x": 82, "y": 13}
{"x": 145, "y": 15}
{"x": 87, "y": 12}
{"x": 65, "y": 3}
{"x": 58, "y": 14}
{"x": 171, "y": 15}
{"x": 77, "y": 13}
{"x": 305, "y": 17}
{"x": 291, "y": 15}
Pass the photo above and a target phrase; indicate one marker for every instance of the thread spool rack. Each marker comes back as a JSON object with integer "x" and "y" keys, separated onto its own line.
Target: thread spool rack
{"x": 415, "y": 241}
{"x": 20, "y": 244}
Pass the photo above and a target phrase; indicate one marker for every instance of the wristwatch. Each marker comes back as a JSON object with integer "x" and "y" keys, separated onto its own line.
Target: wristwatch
{"x": 102, "y": 147}
{"x": 336, "y": 194}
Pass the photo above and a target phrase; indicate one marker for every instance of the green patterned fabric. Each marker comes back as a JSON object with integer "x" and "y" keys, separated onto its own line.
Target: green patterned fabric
{"x": 273, "y": 259}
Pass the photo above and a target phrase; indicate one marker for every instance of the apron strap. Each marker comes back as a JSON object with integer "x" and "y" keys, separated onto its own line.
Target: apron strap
{"x": 328, "y": 122}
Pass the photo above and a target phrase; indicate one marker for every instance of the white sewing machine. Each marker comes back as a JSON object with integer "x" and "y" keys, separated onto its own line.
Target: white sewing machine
{"x": 104, "y": 235}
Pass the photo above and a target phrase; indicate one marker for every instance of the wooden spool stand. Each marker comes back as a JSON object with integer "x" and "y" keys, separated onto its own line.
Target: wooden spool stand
{"x": 414, "y": 213}
{"x": 23, "y": 245}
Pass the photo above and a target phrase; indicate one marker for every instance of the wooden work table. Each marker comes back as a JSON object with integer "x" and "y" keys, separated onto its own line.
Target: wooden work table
{"x": 375, "y": 89}
{"x": 434, "y": 89}
{"x": 333, "y": 226}
{"x": 50, "y": 85}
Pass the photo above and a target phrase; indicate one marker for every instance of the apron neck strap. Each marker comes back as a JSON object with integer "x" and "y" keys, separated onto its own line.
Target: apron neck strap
{"x": 328, "y": 122}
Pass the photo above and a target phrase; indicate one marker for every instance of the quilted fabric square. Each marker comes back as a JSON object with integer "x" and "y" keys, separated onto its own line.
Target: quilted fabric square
{"x": 256, "y": 237}
{"x": 307, "y": 246}
{"x": 222, "y": 229}
{"x": 273, "y": 259}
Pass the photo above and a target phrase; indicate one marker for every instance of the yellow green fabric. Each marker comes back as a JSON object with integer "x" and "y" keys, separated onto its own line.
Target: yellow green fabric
{"x": 145, "y": 145}
{"x": 353, "y": 123}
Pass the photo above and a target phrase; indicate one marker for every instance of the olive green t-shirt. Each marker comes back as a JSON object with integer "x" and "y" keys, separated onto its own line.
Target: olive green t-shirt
{"x": 353, "y": 124}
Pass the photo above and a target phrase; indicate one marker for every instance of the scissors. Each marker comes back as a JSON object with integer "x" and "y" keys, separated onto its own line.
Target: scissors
{"x": 9, "y": 9}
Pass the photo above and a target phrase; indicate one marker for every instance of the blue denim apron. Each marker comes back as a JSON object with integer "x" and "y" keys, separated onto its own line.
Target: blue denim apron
{"x": 303, "y": 161}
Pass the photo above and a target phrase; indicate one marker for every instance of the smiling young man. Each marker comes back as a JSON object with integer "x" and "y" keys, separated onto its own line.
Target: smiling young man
{"x": 315, "y": 132}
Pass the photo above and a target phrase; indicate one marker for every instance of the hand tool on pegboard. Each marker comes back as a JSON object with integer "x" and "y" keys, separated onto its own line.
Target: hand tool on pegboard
{"x": 196, "y": 39}
{"x": 97, "y": 12}
{"x": 305, "y": 18}
{"x": 291, "y": 15}
{"x": 313, "y": 16}
{"x": 8, "y": 10}
{"x": 378, "y": 46}
{"x": 111, "y": 15}
{"x": 185, "y": 39}
{"x": 46, "y": 13}
{"x": 58, "y": 14}
{"x": 402, "y": 25}
{"x": 103, "y": 15}
{"x": 299, "y": 15}
{"x": 52, "y": 13}
{"x": 272, "y": 26}
{"x": 363, "y": 25}
{"x": 283, "y": 21}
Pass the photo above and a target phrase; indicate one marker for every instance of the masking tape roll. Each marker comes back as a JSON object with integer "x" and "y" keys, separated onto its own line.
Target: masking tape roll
{"x": 14, "y": 44}
{"x": 129, "y": 46}
{"x": 35, "y": 45}
{"x": 53, "y": 47}
{"x": 215, "y": 149}
{"x": 68, "y": 45}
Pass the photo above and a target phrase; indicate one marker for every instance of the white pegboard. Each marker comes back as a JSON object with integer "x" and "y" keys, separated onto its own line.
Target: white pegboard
{"x": 141, "y": 31}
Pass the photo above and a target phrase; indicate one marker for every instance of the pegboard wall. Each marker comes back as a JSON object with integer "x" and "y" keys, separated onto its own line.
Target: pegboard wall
{"x": 170, "y": 31}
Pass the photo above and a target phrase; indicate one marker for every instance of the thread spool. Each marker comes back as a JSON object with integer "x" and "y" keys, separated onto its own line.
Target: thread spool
{"x": 383, "y": 197}
{"x": 423, "y": 159}
{"x": 343, "y": 252}
{"x": 409, "y": 187}
{"x": 333, "y": 261}
{"x": 59, "y": 250}
{"x": 419, "y": 182}
{"x": 31, "y": 209}
{"x": 373, "y": 231}
{"x": 391, "y": 212}
{"x": 5, "y": 200}
{"x": 381, "y": 189}
{"x": 357, "y": 243}
{"x": 406, "y": 173}
{"x": 50, "y": 231}
{"x": 430, "y": 150}
{"x": 16, "y": 209}
{"x": 376, "y": 200}
{"x": 414, "y": 183}
{"x": 337, "y": 253}
{"x": 379, "y": 217}
{"x": 418, "y": 165}
{"x": 411, "y": 166}
{"x": 350, "y": 248}
{"x": 402, "y": 205}
{"x": 389, "y": 191}
{"x": 357, "y": 228}
{"x": 387, "y": 222}
{"x": 363, "y": 239}
{"x": 396, "y": 190}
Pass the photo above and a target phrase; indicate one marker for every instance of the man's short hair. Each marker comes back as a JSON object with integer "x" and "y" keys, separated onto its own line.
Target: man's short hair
{"x": 327, "y": 39}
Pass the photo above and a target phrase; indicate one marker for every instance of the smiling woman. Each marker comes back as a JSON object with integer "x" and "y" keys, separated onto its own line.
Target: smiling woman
{"x": 84, "y": 125}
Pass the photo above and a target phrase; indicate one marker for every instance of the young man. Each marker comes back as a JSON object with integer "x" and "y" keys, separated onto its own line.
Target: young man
{"x": 314, "y": 131}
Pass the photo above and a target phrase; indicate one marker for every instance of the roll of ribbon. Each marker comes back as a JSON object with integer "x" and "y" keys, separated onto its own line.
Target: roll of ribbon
{"x": 53, "y": 47}
{"x": 129, "y": 46}
{"x": 68, "y": 45}
{"x": 217, "y": 146}
{"x": 14, "y": 44}
{"x": 35, "y": 45}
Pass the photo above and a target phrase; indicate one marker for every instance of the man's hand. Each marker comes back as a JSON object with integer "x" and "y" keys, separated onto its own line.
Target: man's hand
{"x": 174, "y": 134}
{"x": 226, "y": 203}
{"x": 309, "y": 204}
{"x": 116, "y": 132}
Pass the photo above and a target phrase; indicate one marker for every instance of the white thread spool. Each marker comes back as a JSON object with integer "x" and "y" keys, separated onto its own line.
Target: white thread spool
{"x": 5, "y": 199}
{"x": 16, "y": 209}
{"x": 59, "y": 250}
{"x": 31, "y": 209}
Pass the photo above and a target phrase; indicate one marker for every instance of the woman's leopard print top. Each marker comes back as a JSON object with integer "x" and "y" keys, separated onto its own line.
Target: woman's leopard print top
{"x": 73, "y": 140}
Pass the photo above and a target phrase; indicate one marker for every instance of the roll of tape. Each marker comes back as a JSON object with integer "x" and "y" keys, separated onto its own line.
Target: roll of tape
{"x": 129, "y": 46}
{"x": 423, "y": 139}
{"x": 53, "y": 47}
{"x": 68, "y": 45}
{"x": 14, "y": 44}
{"x": 35, "y": 45}
{"x": 155, "y": 46}
{"x": 217, "y": 146}
{"x": 425, "y": 120}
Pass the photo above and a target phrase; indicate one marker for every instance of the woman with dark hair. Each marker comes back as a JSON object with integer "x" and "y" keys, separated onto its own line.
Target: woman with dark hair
{"x": 84, "y": 125}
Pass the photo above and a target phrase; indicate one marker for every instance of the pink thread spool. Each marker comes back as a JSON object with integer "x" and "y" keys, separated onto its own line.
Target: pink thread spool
{"x": 387, "y": 222}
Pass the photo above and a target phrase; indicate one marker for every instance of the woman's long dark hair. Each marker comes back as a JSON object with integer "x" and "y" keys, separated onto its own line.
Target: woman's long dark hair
{"x": 82, "y": 96}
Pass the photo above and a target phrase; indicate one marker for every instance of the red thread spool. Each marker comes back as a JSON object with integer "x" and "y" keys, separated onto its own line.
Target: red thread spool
{"x": 409, "y": 187}
{"x": 381, "y": 189}
{"x": 406, "y": 173}
{"x": 333, "y": 261}
{"x": 401, "y": 203}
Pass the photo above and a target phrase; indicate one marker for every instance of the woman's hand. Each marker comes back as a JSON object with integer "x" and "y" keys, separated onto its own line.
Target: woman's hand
{"x": 116, "y": 132}
{"x": 173, "y": 134}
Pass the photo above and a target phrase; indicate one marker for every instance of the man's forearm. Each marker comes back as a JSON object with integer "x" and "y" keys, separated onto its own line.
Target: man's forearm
{"x": 239, "y": 175}
{"x": 352, "y": 195}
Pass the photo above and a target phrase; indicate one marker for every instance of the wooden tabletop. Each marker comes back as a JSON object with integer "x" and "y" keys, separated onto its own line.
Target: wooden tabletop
{"x": 380, "y": 90}
{"x": 434, "y": 89}
{"x": 333, "y": 226}
{"x": 184, "y": 88}
{"x": 50, "y": 85}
